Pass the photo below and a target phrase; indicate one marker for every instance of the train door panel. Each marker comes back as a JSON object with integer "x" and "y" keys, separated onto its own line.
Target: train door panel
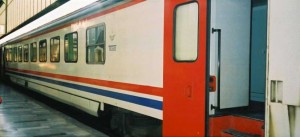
{"x": 184, "y": 68}
{"x": 230, "y": 48}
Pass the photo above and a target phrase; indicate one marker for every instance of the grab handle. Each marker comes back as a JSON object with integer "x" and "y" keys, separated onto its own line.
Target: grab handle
{"x": 219, "y": 31}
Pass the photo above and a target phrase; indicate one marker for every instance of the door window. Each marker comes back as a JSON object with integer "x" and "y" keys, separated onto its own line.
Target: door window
{"x": 186, "y": 32}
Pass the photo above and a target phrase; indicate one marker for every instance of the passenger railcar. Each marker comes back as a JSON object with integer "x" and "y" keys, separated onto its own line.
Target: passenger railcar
{"x": 120, "y": 53}
{"x": 165, "y": 67}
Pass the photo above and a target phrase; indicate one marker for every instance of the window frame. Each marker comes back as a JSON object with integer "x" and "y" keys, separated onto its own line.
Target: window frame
{"x": 15, "y": 49}
{"x": 104, "y": 43}
{"x": 8, "y": 54}
{"x": 67, "y": 61}
{"x": 20, "y": 54}
{"x": 31, "y": 53}
{"x": 41, "y": 41}
{"x": 51, "y": 44}
{"x": 174, "y": 33}
{"x": 26, "y": 45}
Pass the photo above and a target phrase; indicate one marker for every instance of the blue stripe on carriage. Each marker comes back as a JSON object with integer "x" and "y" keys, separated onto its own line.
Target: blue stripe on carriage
{"x": 120, "y": 96}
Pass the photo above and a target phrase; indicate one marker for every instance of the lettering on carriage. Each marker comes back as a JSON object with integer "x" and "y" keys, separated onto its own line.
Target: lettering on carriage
{"x": 112, "y": 47}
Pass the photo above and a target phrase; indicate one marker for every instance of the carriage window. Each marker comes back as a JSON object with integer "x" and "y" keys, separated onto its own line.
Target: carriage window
{"x": 71, "y": 47}
{"x": 6, "y": 54}
{"x": 9, "y": 54}
{"x": 186, "y": 32}
{"x": 43, "y": 50}
{"x": 95, "y": 48}
{"x": 33, "y": 52}
{"x": 20, "y": 51}
{"x": 26, "y": 53}
{"x": 54, "y": 49}
{"x": 15, "y": 54}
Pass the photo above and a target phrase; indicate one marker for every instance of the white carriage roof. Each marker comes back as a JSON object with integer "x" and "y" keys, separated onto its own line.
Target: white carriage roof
{"x": 63, "y": 10}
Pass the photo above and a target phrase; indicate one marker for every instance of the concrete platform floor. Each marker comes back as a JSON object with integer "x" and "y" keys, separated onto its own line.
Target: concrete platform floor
{"x": 23, "y": 116}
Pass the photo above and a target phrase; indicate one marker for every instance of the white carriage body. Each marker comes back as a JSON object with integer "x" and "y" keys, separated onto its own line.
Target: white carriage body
{"x": 136, "y": 60}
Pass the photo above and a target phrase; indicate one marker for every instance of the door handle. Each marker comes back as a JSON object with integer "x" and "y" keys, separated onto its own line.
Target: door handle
{"x": 219, "y": 31}
{"x": 188, "y": 91}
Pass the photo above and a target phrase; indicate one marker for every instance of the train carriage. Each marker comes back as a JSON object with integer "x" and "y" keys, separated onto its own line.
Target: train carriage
{"x": 157, "y": 67}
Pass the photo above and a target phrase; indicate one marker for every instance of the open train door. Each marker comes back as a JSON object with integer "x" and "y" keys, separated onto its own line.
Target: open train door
{"x": 283, "y": 88}
{"x": 184, "y": 109}
{"x": 230, "y": 52}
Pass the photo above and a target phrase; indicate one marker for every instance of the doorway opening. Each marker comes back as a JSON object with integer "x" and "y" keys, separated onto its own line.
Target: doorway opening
{"x": 238, "y": 48}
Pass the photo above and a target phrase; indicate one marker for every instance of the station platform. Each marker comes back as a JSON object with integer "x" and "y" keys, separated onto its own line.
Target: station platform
{"x": 23, "y": 116}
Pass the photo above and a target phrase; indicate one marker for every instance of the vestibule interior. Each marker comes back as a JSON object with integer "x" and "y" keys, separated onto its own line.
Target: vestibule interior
{"x": 238, "y": 43}
{"x": 238, "y": 47}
